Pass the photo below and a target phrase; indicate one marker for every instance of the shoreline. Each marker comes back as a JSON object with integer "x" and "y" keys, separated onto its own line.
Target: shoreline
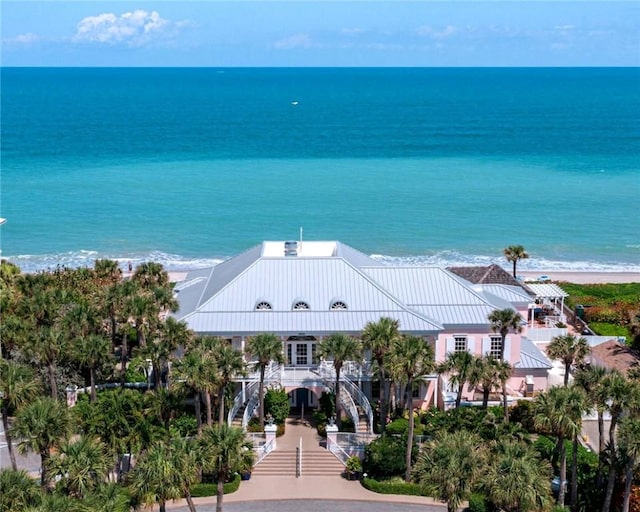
{"x": 584, "y": 277}
{"x": 578, "y": 277}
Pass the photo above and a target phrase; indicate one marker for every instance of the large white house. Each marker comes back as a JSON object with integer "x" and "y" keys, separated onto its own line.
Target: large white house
{"x": 305, "y": 291}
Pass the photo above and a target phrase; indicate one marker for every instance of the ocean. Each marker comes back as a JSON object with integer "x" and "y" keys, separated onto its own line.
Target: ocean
{"x": 442, "y": 166}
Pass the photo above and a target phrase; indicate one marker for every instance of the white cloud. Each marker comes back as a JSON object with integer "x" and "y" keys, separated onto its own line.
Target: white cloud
{"x": 352, "y": 31}
{"x": 434, "y": 33}
{"x": 294, "y": 41}
{"x": 135, "y": 28}
{"x": 564, "y": 27}
{"x": 23, "y": 39}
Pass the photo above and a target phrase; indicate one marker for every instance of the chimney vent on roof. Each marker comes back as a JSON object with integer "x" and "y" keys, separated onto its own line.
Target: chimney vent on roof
{"x": 291, "y": 248}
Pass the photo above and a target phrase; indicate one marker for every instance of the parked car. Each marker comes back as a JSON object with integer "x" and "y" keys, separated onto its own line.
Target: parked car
{"x": 544, "y": 278}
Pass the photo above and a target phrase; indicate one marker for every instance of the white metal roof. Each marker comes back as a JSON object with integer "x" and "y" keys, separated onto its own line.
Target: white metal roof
{"x": 531, "y": 357}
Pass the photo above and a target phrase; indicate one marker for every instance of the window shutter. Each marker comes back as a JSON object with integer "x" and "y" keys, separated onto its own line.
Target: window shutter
{"x": 507, "y": 349}
{"x": 450, "y": 345}
{"x": 486, "y": 346}
{"x": 471, "y": 345}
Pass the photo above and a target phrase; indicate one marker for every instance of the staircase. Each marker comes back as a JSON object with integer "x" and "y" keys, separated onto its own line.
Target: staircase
{"x": 314, "y": 463}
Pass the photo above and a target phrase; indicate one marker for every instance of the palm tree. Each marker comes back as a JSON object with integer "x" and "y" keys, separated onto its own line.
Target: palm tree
{"x": 458, "y": 365}
{"x": 107, "y": 271}
{"x": 224, "y": 450}
{"x": 514, "y": 253}
{"x": 46, "y": 347}
{"x": 230, "y": 364}
{"x": 265, "y": 347}
{"x": 40, "y": 426}
{"x": 559, "y": 411}
{"x": 378, "y": 337}
{"x": 449, "y": 467}
{"x": 198, "y": 370}
{"x": 618, "y": 393}
{"x": 411, "y": 358}
{"x": 18, "y": 491}
{"x": 590, "y": 379}
{"x": 150, "y": 275}
{"x": 17, "y": 388}
{"x": 629, "y": 442}
{"x": 490, "y": 373}
{"x": 91, "y": 352}
{"x": 503, "y": 321}
{"x": 164, "y": 472}
{"x": 109, "y": 497}
{"x": 516, "y": 480}
{"x": 82, "y": 464}
{"x": 341, "y": 348}
{"x": 569, "y": 349}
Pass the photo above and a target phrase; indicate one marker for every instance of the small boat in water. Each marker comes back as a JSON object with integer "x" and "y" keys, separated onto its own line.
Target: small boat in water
{"x": 294, "y": 103}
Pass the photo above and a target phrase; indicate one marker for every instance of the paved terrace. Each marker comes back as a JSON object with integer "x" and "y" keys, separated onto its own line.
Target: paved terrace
{"x": 309, "y": 493}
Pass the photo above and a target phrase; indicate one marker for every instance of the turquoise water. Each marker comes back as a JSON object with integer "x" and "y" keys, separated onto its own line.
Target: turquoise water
{"x": 442, "y": 166}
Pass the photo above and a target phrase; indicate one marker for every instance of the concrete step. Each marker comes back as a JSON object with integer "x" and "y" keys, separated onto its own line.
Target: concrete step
{"x": 314, "y": 463}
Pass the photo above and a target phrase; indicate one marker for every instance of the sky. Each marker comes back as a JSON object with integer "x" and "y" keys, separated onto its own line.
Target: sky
{"x": 320, "y": 33}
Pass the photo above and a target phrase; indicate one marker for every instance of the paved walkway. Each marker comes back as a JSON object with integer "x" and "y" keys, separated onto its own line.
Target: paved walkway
{"x": 328, "y": 493}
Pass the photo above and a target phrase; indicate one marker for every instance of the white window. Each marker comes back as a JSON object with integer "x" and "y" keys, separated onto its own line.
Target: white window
{"x": 495, "y": 350}
{"x": 459, "y": 343}
{"x": 263, "y": 306}
{"x": 338, "y": 305}
{"x": 300, "y": 305}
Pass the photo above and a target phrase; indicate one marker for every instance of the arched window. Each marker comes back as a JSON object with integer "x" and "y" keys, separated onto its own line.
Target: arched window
{"x": 338, "y": 304}
{"x": 263, "y": 306}
{"x": 300, "y": 305}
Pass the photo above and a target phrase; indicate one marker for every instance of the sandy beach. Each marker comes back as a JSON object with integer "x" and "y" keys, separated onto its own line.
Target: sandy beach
{"x": 584, "y": 277}
{"x": 555, "y": 276}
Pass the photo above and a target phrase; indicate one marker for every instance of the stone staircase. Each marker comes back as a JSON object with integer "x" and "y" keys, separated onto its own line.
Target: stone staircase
{"x": 315, "y": 462}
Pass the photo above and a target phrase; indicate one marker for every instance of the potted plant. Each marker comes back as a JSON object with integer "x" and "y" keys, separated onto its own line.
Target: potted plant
{"x": 354, "y": 467}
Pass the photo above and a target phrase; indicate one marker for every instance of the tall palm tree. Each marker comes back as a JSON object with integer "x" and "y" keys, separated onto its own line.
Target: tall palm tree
{"x": 150, "y": 275}
{"x": 82, "y": 465}
{"x": 224, "y": 450}
{"x": 618, "y": 393}
{"x": 17, "y": 387}
{"x": 411, "y": 358}
{"x": 40, "y": 426}
{"x": 198, "y": 370}
{"x": 18, "y": 491}
{"x": 340, "y": 348}
{"x": 590, "y": 379}
{"x": 449, "y": 467}
{"x": 46, "y": 347}
{"x": 265, "y": 347}
{"x": 378, "y": 337}
{"x": 569, "y": 349}
{"x": 107, "y": 271}
{"x": 629, "y": 442}
{"x": 516, "y": 480}
{"x": 559, "y": 411}
{"x": 458, "y": 365}
{"x": 90, "y": 352}
{"x": 515, "y": 253}
{"x": 164, "y": 472}
{"x": 230, "y": 364}
{"x": 504, "y": 321}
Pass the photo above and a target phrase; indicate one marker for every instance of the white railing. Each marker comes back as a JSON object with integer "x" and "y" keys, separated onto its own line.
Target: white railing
{"x": 544, "y": 334}
{"x": 350, "y": 406}
{"x": 271, "y": 374}
{"x": 262, "y": 448}
{"x": 361, "y": 400}
{"x": 339, "y": 453}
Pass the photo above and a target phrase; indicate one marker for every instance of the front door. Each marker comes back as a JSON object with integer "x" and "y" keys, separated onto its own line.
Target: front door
{"x": 301, "y": 351}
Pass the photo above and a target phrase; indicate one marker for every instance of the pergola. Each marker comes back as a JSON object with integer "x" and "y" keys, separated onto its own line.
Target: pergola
{"x": 550, "y": 295}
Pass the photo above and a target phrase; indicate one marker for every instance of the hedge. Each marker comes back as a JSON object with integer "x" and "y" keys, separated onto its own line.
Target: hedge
{"x": 211, "y": 489}
{"x": 392, "y": 487}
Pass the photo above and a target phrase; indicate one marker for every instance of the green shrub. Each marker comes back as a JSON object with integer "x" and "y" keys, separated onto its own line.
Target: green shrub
{"x": 346, "y": 425}
{"x": 280, "y": 429}
{"x": 478, "y": 503}
{"x": 320, "y": 419}
{"x": 211, "y": 489}
{"x": 134, "y": 375}
{"x": 396, "y": 486}
{"x": 523, "y": 413}
{"x": 398, "y": 426}
{"x": 545, "y": 446}
{"x": 183, "y": 426}
{"x": 254, "y": 425}
{"x": 385, "y": 457}
{"x": 610, "y": 329}
{"x": 276, "y": 403}
{"x": 328, "y": 403}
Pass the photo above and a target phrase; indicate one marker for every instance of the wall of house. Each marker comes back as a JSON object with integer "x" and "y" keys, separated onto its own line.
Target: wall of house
{"x": 478, "y": 344}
